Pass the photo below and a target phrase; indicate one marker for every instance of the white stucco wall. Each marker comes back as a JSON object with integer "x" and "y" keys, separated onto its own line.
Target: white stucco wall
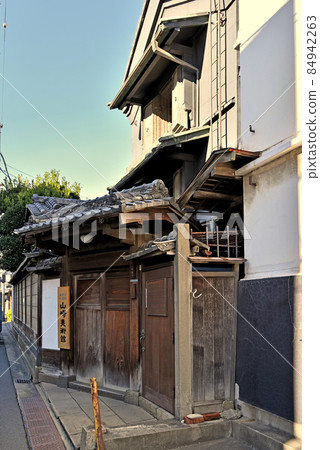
{"x": 142, "y": 40}
{"x": 267, "y": 73}
{"x": 50, "y": 313}
{"x": 272, "y": 218}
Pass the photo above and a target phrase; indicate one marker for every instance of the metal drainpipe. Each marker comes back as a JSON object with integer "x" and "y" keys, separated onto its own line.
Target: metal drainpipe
{"x": 219, "y": 74}
{"x": 161, "y": 52}
{"x": 211, "y": 90}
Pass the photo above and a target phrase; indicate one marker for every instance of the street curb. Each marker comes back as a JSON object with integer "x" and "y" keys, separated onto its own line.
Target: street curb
{"x": 163, "y": 436}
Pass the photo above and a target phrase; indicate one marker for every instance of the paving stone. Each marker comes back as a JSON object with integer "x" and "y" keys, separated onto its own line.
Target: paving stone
{"x": 73, "y": 423}
{"x": 62, "y": 403}
{"x": 111, "y": 402}
{"x": 75, "y": 439}
{"x": 131, "y": 413}
{"x": 113, "y": 421}
{"x": 85, "y": 403}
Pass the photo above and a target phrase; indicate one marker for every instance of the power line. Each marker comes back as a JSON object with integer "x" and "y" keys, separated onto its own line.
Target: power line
{"x": 5, "y": 171}
{"x": 21, "y": 171}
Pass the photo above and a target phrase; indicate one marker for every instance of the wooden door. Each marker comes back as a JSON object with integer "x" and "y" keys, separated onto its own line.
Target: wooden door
{"x": 157, "y": 337}
{"x": 88, "y": 351}
{"x": 116, "y": 353}
{"x": 214, "y": 340}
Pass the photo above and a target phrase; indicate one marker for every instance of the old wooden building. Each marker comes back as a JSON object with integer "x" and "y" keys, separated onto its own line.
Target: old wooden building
{"x": 143, "y": 315}
{"x": 197, "y": 105}
{"x": 158, "y": 270}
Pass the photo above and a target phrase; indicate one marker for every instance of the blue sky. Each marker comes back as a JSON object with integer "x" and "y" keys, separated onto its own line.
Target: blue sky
{"x": 67, "y": 59}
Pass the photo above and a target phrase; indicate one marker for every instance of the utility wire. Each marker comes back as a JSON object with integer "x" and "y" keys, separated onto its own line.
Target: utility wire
{"x": 21, "y": 171}
{"x": 5, "y": 171}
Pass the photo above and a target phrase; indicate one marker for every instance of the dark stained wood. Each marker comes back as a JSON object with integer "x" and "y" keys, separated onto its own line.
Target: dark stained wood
{"x": 67, "y": 356}
{"x": 116, "y": 356}
{"x": 51, "y": 357}
{"x": 116, "y": 352}
{"x": 158, "y": 322}
{"x": 213, "y": 336}
{"x": 118, "y": 292}
{"x": 218, "y": 335}
{"x": 96, "y": 261}
{"x": 39, "y": 325}
{"x": 215, "y": 195}
{"x": 88, "y": 293}
{"x": 88, "y": 334}
{"x": 157, "y": 302}
{"x": 224, "y": 170}
{"x": 114, "y": 232}
{"x": 134, "y": 335}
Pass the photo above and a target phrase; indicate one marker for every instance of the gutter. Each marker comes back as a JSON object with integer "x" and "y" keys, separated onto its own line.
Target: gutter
{"x": 136, "y": 73}
{"x": 167, "y": 27}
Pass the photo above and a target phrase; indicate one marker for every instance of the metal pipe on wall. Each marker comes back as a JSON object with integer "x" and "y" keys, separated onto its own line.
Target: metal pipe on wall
{"x": 219, "y": 76}
{"x": 165, "y": 54}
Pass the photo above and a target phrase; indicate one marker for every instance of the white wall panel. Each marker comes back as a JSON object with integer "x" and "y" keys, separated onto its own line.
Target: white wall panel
{"x": 50, "y": 313}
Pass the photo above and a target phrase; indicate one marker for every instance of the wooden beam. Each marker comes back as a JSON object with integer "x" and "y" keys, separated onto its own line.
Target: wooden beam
{"x": 211, "y": 259}
{"x": 215, "y": 196}
{"x": 179, "y": 49}
{"x": 225, "y": 170}
{"x": 114, "y": 232}
{"x": 182, "y": 156}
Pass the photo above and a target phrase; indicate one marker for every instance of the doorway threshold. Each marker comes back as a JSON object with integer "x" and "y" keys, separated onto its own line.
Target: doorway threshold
{"x": 106, "y": 391}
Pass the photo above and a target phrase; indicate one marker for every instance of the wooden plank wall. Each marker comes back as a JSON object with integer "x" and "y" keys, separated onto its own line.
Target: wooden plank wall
{"x": 213, "y": 336}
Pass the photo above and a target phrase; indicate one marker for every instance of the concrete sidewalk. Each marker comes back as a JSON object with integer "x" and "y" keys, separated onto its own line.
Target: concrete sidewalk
{"x": 67, "y": 420}
{"x": 74, "y": 410}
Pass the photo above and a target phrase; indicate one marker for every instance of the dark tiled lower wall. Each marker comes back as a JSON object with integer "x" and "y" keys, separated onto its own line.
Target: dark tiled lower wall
{"x": 264, "y": 377}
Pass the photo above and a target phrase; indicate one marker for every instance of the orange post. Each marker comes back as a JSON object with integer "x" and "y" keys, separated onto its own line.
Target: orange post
{"x": 96, "y": 413}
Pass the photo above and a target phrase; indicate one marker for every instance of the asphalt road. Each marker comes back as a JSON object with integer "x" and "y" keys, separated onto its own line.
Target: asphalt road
{"x": 12, "y": 432}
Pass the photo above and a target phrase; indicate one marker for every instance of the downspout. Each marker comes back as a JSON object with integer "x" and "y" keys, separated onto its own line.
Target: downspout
{"x": 211, "y": 80}
{"x": 161, "y": 52}
{"x": 219, "y": 74}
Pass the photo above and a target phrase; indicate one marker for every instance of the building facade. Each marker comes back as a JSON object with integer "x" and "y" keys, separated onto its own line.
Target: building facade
{"x": 203, "y": 78}
{"x": 187, "y": 290}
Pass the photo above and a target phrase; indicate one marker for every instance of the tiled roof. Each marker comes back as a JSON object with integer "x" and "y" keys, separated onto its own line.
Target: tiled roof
{"x": 40, "y": 258}
{"x": 47, "y": 205}
{"x": 46, "y": 264}
{"x": 47, "y": 212}
{"x": 163, "y": 244}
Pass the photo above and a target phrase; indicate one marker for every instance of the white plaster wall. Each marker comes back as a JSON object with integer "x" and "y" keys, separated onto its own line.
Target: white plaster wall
{"x": 136, "y": 135}
{"x": 50, "y": 313}
{"x": 181, "y": 8}
{"x": 267, "y": 71}
{"x": 144, "y": 34}
{"x": 271, "y": 216}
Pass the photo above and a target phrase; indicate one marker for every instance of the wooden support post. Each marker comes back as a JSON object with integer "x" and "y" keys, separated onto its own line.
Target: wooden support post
{"x": 183, "y": 323}
{"x": 228, "y": 241}
{"x": 96, "y": 413}
{"x": 236, "y": 234}
{"x": 218, "y": 241}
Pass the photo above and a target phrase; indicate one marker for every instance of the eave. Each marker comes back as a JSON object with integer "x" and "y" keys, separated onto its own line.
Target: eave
{"x": 148, "y": 66}
{"x": 217, "y": 185}
{"x": 164, "y": 143}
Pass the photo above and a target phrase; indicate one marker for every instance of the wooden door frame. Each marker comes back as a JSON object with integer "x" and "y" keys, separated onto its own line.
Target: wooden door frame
{"x": 234, "y": 273}
{"x": 144, "y": 272}
{"x": 87, "y": 276}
